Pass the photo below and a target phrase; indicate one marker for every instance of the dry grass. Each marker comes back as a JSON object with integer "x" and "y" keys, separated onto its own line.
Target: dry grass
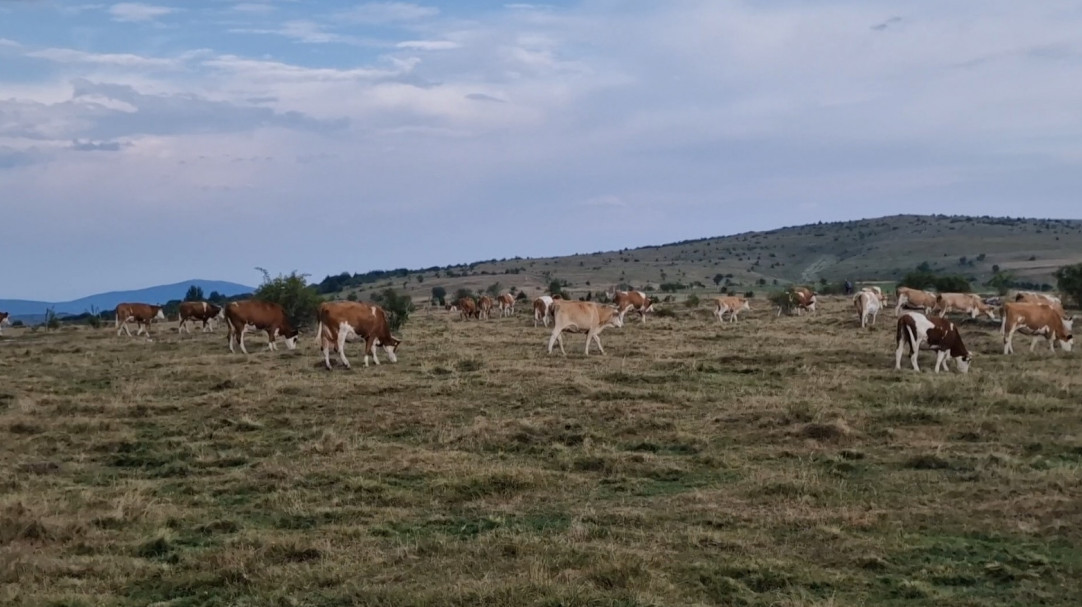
{"x": 774, "y": 462}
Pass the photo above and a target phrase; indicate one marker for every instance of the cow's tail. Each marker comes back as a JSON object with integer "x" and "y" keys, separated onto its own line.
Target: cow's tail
{"x": 319, "y": 334}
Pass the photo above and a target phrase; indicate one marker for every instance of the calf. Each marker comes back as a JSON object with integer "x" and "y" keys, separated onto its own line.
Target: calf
{"x": 582, "y": 317}
{"x": 732, "y": 304}
{"x": 141, "y": 313}
{"x": 506, "y": 303}
{"x": 868, "y": 304}
{"x": 914, "y": 299}
{"x": 198, "y": 310}
{"x": 542, "y": 310}
{"x": 940, "y": 334}
{"x": 1036, "y": 319}
{"x": 966, "y": 303}
{"x": 5, "y": 319}
{"x": 261, "y": 316}
{"x": 340, "y": 319}
{"x": 632, "y": 300}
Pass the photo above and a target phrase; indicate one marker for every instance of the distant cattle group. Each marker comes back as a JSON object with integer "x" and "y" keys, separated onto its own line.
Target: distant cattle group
{"x": 921, "y": 320}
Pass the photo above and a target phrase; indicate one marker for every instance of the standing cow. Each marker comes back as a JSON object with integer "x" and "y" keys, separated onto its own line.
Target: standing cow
{"x": 636, "y": 301}
{"x": 484, "y": 307}
{"x": 909, "y": 298}
{"x": 1039, "y": 320}
{"x": 733, "y": 304}
{"x": 506, "y": 303}
{"x": 141, "y": 313}
{"x": 5, "y": 319}
{"x": 542, "y": 310}
{"x": 261, "y": 316}
{"x": 868, "y": 303}
{"x": 340, "y": 319}
{"x": 940, "y": 334}
{"x": 201, "y": 311}
{"x": 582, "y": 317}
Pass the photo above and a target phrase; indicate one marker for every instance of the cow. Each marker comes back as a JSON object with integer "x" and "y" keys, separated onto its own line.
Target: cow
{"x": 199, "y": 310}
{"x": 261, "y": 316}
{"x": 340, "y": 319}
{"x": 909, "y": 298}
{"x": 802, "y": 298}
{"x": 868, "y": 304}
{"x": 1038, "y": 320}
{"x": 587, "y": 317}
{"x": 4, "y": 320}
{"x": 484, "y": 307}
{"x": 141, "y": 313}
{"x": 966, "y": 303}
{"x": 732, "y": 304}
{"x": 632, "y": 300}
{"x": 1033, "y": 297}
{"x": 940, "y": 334}
{"x": 506, "y": 302}
{"x": 542, "y": 310}
{"x": 466, "y": 307}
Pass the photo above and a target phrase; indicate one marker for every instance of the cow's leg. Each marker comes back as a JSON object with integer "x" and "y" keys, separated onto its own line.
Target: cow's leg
{"x": 325, "y": 349}
{"x": 941, "y": 360}
{"x": 597, "y": 338}
{"x": 1008, "y": 338}
{"x": 180, "y": 328}
{"x": 370, "y": 349}
{"x": 555, "y": 338}
{"x": 124, "y": 326}
{"x": 240, "y": 338}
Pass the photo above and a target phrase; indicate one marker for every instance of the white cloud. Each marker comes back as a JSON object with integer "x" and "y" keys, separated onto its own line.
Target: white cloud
{"x": 137, "y": 12}
{"x": 63, "y": 55}
{"x": 429, "y": 45}
{"x": 253, "y": 7}
{"x": 387, "y": 12}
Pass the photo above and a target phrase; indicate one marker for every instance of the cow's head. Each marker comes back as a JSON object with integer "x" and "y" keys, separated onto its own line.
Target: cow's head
{"x": 291, "y": 336}
{"x": 615, "y": 320}
{"x": 1068, "y": 324}
{"x": 160, "y": 315}
{"x": 391, "y": 348}
{"x": 1067, "y": 342}
{"x": 962, "y": 362}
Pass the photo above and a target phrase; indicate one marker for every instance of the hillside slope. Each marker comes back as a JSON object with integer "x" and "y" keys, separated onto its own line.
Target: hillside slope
{"x": 106, "y": 301}
{"x": 881, "y": 249}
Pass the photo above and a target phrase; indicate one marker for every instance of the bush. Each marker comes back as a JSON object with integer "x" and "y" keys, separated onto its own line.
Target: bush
{"x": 664, "y": 312}
{"x": 195, "y": 293}
{"x": 52, "y": 321}
{"x": 299, "y": 299}
{"x": 522, "y": 296}
{"x": 784, "y": 300}
{"x": 926, "y": 279}
{"x": 749, "y": 294}
{"x": 692, "y": 301}
{"x": 463, "y": 294}
{"x": 397, "y": 307}
{"x": 1069, "y": 281}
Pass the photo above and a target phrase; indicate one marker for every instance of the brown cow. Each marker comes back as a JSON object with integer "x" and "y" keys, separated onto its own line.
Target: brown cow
{"x": 733, "y": 304}
{"x": 542, "y": 310}
{"x": 466, "y": 307}
{"x": 940, "y": 334}
{"x": 261, "y": 316}
{"x": 506, "y": 303}
{"x": 141, "y": 313}
{"x": 198, "y": 310}
{"x": 484, "y": 307}
{"x": 632, "y": 300}
{"x": 4, "y": 320}
{"x": 868, "y": 303}
{"x": 1042, "y": 298}
{"x": 1038, "y": 320}
{"x": 340, "y": 319}
{"x": 582, "y": 317}
{"x": 801, "y": 298}
{"x": 909, "y": 298}
{"x": 966, "y": 303}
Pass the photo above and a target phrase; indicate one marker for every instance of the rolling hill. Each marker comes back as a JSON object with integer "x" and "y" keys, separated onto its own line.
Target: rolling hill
{"x": 21, "y": 308}
{"x": 880, "y": 249}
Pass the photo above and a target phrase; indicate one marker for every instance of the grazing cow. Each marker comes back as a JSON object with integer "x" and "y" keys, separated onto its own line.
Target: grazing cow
{"x": 632, "y": 300}
{"x": 914, "y": 299}
{"x": 340, "y": 319}
{"x": 802, "y": 298}
{"x": 4, "y": 320}
{"x": 966, "y": 303}
{"x": 940, "y": 334}
{"x": 261, "y": 316}
{"x": 868, "y": 304}
{"x": 466, "y": 307}
{"x": 1038, "y": 320}
{"x": 732, "y": 304}
{"x": 582, "y": 317}
{"x": 141, "y": 313}
{"x": 1042, "y": 298}
{"x": 542, "y": 310}
{"x": 484, "y": 307}
{"x": 506, "y": 302}
{"x": 199, "y": 310}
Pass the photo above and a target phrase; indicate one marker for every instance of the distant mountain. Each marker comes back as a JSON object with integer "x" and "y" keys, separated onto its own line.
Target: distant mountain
{"x": 107, "y": 301}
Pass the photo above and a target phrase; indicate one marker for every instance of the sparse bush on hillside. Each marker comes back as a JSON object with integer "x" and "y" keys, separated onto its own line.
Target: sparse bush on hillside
{"x": 195, "y": 293}
{"x": 463, "y": 293}
{"x": 299, "y": 299}
{"x": 922, "y": 279}
{"x": 439, "y": 295}
{"x": 397, "y": 307}
{"x": 692, "y": 301}
{"x": 749, "y": 294}
{"x": 522, "y": 296}
{"x": 1069, "y": 281}
{"x": 672, "y": 287}
{"x": 52, "y": 321}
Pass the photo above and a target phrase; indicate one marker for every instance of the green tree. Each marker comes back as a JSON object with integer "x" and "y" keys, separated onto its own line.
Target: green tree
{"x": 463, "y": 294}
{"x": 1069, "y": 281}
{"x": 299, "y": 299}
{"x": 718, "y": 278}
{"x": 556, "y": 287}
{"x": 439, "y": 294}
{"x": 195, "y": 293}
{"x": 1001, "y": 282}
{"x": 397, "y": 307}
{"x": 494, "y": 289}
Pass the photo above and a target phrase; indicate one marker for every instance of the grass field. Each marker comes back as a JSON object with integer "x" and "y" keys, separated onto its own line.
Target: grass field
{"x": 778, "y": 461}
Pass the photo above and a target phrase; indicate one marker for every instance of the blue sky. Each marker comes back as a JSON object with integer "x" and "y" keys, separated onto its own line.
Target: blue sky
{"x": 146, "y": 143}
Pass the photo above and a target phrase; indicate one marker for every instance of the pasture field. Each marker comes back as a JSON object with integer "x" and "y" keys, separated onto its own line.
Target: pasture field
{"x": 777, "y": 461}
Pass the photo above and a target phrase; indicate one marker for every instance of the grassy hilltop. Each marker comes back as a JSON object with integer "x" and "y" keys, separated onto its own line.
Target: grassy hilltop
{"x": 778, "y": 461}
{"x": 865, "y": 250}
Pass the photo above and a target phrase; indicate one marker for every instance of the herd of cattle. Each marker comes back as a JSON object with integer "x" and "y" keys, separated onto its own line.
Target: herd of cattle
{"x": 921, "y": 320}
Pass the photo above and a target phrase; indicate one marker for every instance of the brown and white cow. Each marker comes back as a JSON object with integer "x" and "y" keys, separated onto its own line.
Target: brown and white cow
{"x": 868, "y": 304}
{"x": 733, "y": 304}
{"x": 1043, "y": 298}
{"x": 637, "y": 301}
{"x": 5, "y": 319}
{"x": 587, "y": 317}
{"x": 914, "y": 299}
{"x": 466, "y": 307}
{"x": 484, "y": 307}
{"x": 966, "y": 303}
{"x": 940, "y": 334}
{"x": 542, "y": 310}
{"x": 141, "y": 313}
{"x": 506, "y": 303}
{"x": 199, "y": 310}
{"x": 1038, "y": 320}
{"x": 340, "y": 319}
{"x": 260, "y": 316}
{"x": 801, "y": 298}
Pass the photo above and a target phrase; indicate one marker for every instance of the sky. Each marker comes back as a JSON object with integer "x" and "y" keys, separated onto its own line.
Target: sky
{"x": 148, "y": 143}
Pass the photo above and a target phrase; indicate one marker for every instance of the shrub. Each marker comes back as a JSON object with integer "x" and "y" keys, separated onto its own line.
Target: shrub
{"x": 784, "y": 300}
{"x": 1069, "y": 281}
{"x": 52, "y": 321}
{"x": 749, "y": 294}
{"x": 522, "y": 296}
{"x": 692, "y": 301}
{"x": 397, "y": 307}
{"x": 463, "y": 294}
{"x": 664, "y": 312}
{"x": 195, "y": 293}
{"x": 299, "y": 299}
